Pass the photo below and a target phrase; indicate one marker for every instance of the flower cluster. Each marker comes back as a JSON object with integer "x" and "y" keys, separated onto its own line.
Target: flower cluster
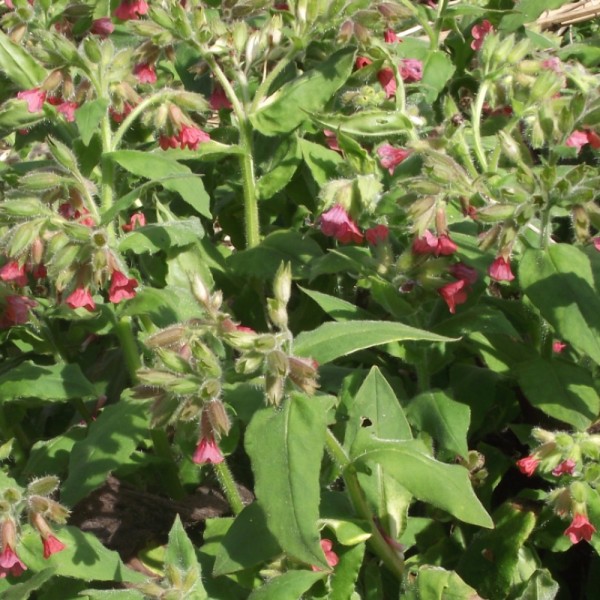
{"x": 188, "y": 137}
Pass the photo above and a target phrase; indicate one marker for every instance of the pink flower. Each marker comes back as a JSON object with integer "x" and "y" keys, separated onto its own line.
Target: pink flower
{"x": 462, "y": 271}
{"x": 566, "y": 467}
{"x": 558, "y": 346}
{"x": 593, "y": 139}
{"x": 411, "y": 70}
{"x": 9, "y": 4}
{"x": 10, "y": 563}
{"x": 244, "y": 329}
{"x": 362, "y": 61}
{"x": 552, "y": 64}
{"x": 137, "y": 219}
{"x": 377, "y": 235}
{"x": 580, "y": 529}
{"x": 445, "y": 245}
{"x": 479, "y": 32}
{"x": 102, "y": 27}
{"x": 454, "y": 293}
{"x": 121, "y": 287}
{"x": 68, "y": 110}
{"x": 168, "y": 141}
{"x": 35, "y": 99}
{"x": 576, "y": 140}
{"x": 192, "y": 136}
{"x": 145, "y": 73}
{"x": 218, "y": 99}
{"x": 13, "y": 272}
{"x": 388, "y": 81}
{"x": 596, "y": 242}
{"x": 528, "y": 465}
{"x": 431, "y": 244}
{"x": 389, "y": 36}
{"x": 330, "y": 556}
{"x": 16, "y": 311}
{"x": 118, "y": 117}
{"x": 391, "y": 157}
{"x": 131, "y": 9}
{"x": 331, "y": 140}
{"x": 337, "y": 223}
{"x": 500, "y": 270}
{"x": 52, "y": 545}
{"x": 81, "y": 298}
{"x": 207, "y": 451}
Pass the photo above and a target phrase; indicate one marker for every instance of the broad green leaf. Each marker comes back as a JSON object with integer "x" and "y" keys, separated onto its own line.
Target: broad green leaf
{"x": 50, "y": 383}
{"x": 111, "y": 440}
{"x": 446, "y": 486}
{"x": 437, "y": 70}
{"x": 349, "y": 533}
{"x": 369, "y": 124}
{"x": 124, "y": 202}
{"x": 169, "y": 173}
{"x": 338, "y": 309}
{"x": 210, "y": 150}
{"x": 19, "y": 65}
{"x": 235, "y": 553}
{"x": 561, "y": 389}
{"x": 322, "y": 162}
{"x": 280, "y": 166}
{"x": 111, "y": 595}
{"x": 289, "y": 586}
{"x": 164, "y": 306}
{"x": 162, "y": 236}
{"x": 14, "y": 115}
{"x": 540, "y": 586}
{"x": 88, "y": 117}
{"x": 494, "y": 578}
{"x": 343, "y": 580}
{"x": 435, "y": 583}
{"x": 23, "y": 591}
{"x": 479, "y": 319}
{"x": 287, "y": 107}
{"x": 286, "y": 448}
{"x": 528, "y": 11}
{"x": 83, "y": 558}
{"x": 444, "y": 419}
{"x": 560, "y": 283}
{"x": 332, "y": 340}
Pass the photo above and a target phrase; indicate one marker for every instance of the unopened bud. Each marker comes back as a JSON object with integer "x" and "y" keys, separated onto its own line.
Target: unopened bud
{"x": 18, "y": 33}
{"x": 240, "y": 36}
{"x": 277, "y": 363}
{"x": 166, "y": 337}
{"x": 43, "y": 486}
{"x": 200, "y": 291}
{"x": 91, "y": 47}
{"x": 346, "y": 32}
{"x": 581, "y": 222}
{"x": 274, "y": 389}
{"x": 249, "y": 363}
{"x": 277, "y": 313}
{"x": 218, "y": 417}
{"x": 495, "y": 213}
{"x": 52, "y": 81}
{"x": 63, "y": 155}
{"x": 173, "y": 360}
{"x": 27, "y": 207}
{"x": 22, "y": 237}
{"x": 210, "y": 389}
{"x": 11, "y": 495}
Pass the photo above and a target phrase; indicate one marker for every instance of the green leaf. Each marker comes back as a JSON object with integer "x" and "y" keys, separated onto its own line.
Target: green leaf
{"x": 322, "y": 162}
{"x": 286, "y": 449}
{"x": 52, "y": 383}
{"x": 560, "y": 283}
{"x": 287, "y": 107}
{"x": 164, "y": 306}
{"x": 170, "y": 174}
{"x": 210, "y": 150}
{"x": 162, "y": 236}
{"x": 332, "y": 340}
{"x": 83, "y": 558}
{"x": 112, "y": 438}
{"x": 343, "y": 580}
{"x": 446, "y": 486}
{"x": 14, "y": 115}
{"x": 540, "y": 586}
{"x": 437, "y": 71}
{"x": 19, "y": 65}
{"x": 444, "y": 419}
{"x": 370, "y": 124}
{"x": 88, "y": 117}
{"x": 280, "y": 166}
{"x": 435, "y": 583}
{"x": 349, "y": 533}
{"x": 335, "y": 307}
{"x": 479, "y": 319}
{"x": 289, "y": 586}
{"x": 235, "y": 553}
{"x": 561, "y": 389}
{"x": 23, "y": 591}
{"x": 528, "y": 11}
{"x": 52, "y": 456}
{"x": 112, "y": 595}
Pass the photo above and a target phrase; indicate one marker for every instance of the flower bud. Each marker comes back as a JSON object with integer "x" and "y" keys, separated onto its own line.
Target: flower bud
{"x": 173, "y": 361}
{"x": 200, "y": 291}
{"x": 11, "y": 495}
{"x": 249, "y": 363}
{"x": 63, "y": 155}
{"x": 43, "y": 486}
{"x": 210, "y": 389}
{"x": 166, "y": 337}
{"x": 18, "y": 33}
{"x": 495, "y": 213}
{"x": 22, "y": 237}
{"x": 217, "y": 415}
{"x": 277, "y": 363}
{"x": 346, "y": 32}
{"x": 277, "y": 313}
{"x": 240, "y": 36}
{"x": 26, "y": 207}
{"x": 92, "y": 50}
{"x": 274, "y": 389}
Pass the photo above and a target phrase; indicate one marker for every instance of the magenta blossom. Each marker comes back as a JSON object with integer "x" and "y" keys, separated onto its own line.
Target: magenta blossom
{"x": 102, "y": 26}
{"x": 479, "y": 32}
{"x": 577, "y": 139}
{"x": 431, "y": 244}
{"x": 81, "y": 298}
{"x": 145, "y": 73}
{"x": 218, "y": 99}
{"x": 462, "y": 271}
{"x": 566, "y": 467}
{"x": 500, "y": 270}
{"x": 580, "y": 529}
{"x": 10, "y": 563}
{"x": 67, "y": 109}
{"x": 192, "y": 136}
{"x": 35, "y": 99}
{"x": 362, "y": 61}
{"x": 13, "y": 272}
{"x": 207, "y": 451}
{"x": 330, "y": 556}
{"x": 389, "y": 36}
{"x": 137, "y": 219}
{"x": 377, "y": 235}
{"x": 454, "y": 293}
{"x": 411, "y": 70}
{"x": 391, "y": 157}
{"x": 338, "y": 224}
{"x": 16, "y": 311}
{"x": 528, "y": 465}
{"x": 121, "y": 287}
{"x": 52, "y": 545}
{"x": 558, "y": 346}
{"x": 388, "y": 81}
{"x": 131, "y": 9}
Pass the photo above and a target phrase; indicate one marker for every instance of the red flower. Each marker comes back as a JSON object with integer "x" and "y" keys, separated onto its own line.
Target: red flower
{"x": 376, "y": 235}
{"x": 389, "y": 36}
{"x": 10, "y": 563}
{"x": 454, "y": 293}
{"x": 166, "y": 142}
{"x": 411, "y": 70}
{"x": 35, "y": 99}
{"x": 330, "y": 556}
{"x": 13, "y": 272}
{"x": 131, "y": 9}
{"x": 479, "y": 32}
{"x": 552, "y": 64}
{"x": 102, "y": 27}
{"x": 391, "y": 157}
{"x": 387, "y": 81}
{"x": 596, "y": 242}
{"x": 431, "y": 244}
{"x": 218, "y": 99}
{"x": 576, "y": 140}
{"x": 81, "y": 298}
{"x": 207, "y": 451}
{"x": 118, "y": 117}
{"x": 192, "y": 136}
{"x": 462, "y": 271}
{"x": 137, "y": 219}
{"x": 331, "y": 140}
{"x": 16, "y": 311}
{"x": 145, "y": 73}
{"x": 445, "y": 245}
{"x": 337, "y": 223}
{"x": 593, "y": 139}
{"x": 121, "y": 287}
{"x": 558, "y": 346}
{"x": 580, "y": 529}
{"x": 362, "y": 61}
{"x": 52, "y": 545}
{"x": 528, "y": 465}
{"x": 566, "y": 467}
{"x": 68, "y": 110}
{"x": 500, "y": 270}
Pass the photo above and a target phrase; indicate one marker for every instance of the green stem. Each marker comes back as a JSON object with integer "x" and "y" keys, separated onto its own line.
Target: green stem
{"x": 229, "y": 487}
{"x": 84, "y": 411}
{"x": 476, "y": 124}
{"x": 129, "y": 346}
{"x": 390, "y": 558}
{"x": 170, "y": 477}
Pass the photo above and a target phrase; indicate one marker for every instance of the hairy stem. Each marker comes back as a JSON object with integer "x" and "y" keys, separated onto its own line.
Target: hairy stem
{"x": 229, "y": 487}
{"x": 476, "y": 124}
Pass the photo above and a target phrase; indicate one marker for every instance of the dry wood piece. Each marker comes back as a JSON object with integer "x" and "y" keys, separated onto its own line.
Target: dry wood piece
{"x": 568, "y": 14}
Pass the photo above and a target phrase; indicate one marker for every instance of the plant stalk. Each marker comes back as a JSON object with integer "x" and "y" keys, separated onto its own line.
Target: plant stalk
{"x": 476, "y": 124}
{"x": 229, "y": 487}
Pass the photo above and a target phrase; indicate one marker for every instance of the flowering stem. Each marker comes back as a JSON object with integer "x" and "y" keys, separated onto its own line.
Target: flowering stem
{"x": 392, "y": 560}
{"x": 229, "y": 487}
{"x": 108, "y": 167}
{"x": 129, "y": 346}
{"x": 476, "y": 124}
